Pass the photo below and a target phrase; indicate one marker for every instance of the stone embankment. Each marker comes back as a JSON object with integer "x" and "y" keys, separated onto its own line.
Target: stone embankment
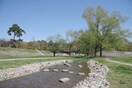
{"x": 27, "y": 69}
{"x": 96, "y": 78}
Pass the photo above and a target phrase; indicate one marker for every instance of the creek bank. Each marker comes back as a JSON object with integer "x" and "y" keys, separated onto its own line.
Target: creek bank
{"x": 96, "y": 78}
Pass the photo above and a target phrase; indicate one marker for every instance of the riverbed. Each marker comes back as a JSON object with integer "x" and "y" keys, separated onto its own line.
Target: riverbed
{"x": 49, "y": 79}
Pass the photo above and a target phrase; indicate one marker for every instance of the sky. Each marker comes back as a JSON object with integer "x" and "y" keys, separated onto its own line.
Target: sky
{"x": 43, "y": 18}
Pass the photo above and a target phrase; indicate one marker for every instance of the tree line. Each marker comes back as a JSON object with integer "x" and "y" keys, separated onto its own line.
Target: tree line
{"x": 104, "y": 33}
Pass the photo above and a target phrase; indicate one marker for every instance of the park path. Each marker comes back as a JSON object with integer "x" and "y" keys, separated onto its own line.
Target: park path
{"x": 123, "y": 63}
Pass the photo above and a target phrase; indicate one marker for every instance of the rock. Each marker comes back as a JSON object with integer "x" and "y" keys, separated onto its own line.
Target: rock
{"x": 80, "y": 66}
{"x": 46, "y": 70}
{"x": 65, "y": 70}
{"x": 66, "y": 64}
{"x": 64, "y": 80}
{"x": 71, "y": 72}
{"x": 81, "y": 73}
{"x": 96, "y": 78}
{"x": 55, "y": 70}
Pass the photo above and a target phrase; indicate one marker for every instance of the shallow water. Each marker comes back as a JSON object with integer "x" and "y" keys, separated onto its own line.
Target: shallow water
{"x": 48, "y": 79}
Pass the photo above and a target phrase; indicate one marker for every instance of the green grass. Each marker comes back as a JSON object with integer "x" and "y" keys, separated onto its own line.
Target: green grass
{"x": 123, "y": 59}
{"x": 119, "y": 76}
{"x": 17, "y": 63}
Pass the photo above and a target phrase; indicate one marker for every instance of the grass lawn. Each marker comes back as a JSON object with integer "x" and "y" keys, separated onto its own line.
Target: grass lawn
{"x": 123, "y": 59}
{"x": 17, "y": 63}
{"x": 119, "y": 76}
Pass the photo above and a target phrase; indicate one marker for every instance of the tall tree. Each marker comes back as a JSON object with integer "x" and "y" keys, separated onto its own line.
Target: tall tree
{"x": 87, "y": 43}
{"x": 103, "y": 25}
{"x": 20, "y": 33}
{"x": 16, "y": 30}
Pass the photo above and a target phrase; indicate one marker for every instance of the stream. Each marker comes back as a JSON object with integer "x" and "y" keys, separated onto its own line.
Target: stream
{"x": 49, "y": 79}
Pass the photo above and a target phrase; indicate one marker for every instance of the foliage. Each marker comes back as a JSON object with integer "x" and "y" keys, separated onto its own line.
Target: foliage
{"x": 55, "y": 43}
{"x": 33, "y": 45}
{"x": 129, "y": 46}
{"x": 16, "y": 30}
{"x": 72, "y": 38}
{"x": 4, "y": 43}
{"x": 87, "y": 42}
{"x": 105, "y": 27}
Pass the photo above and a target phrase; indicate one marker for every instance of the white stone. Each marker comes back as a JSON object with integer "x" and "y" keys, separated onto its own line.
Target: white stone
{"x": 65, "y": 70}
{"x": 80, "y": 66}
{"x": 64, "y": 80}
{"x": 46, "y": 70}
{"x": 55, "y": 70}
{"x": 66, "y": 64}
{"x": 81, "y": 73}
{"x": 71, "y": 72}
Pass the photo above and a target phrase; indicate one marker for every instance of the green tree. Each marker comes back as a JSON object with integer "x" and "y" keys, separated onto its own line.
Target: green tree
{"x": 72, "y": 38}
{"x": 104, "y": 25}
{"x": 55, "y": 43}
{"x": 53, "y": 47}
{"x": 20, "y": 33}
{"x": 42, "y": 45}
{"x": 87, "y": 43}
{"x": 129, "y": 46}
{"x": 16, "y": 30}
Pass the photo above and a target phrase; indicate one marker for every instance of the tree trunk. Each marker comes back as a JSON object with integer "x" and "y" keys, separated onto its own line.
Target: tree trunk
{"x": 14, "y": 37}
{"x": 54, "y": 54}
{"x": 100, "y": 51}
{"x": 95, "y": 52}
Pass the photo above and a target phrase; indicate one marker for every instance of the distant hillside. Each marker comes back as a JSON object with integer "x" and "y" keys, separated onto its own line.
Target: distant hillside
{"x": 4, "y": 51}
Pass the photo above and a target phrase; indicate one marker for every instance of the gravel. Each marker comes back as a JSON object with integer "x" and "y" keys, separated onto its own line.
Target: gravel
{"x": 96, "y": 78}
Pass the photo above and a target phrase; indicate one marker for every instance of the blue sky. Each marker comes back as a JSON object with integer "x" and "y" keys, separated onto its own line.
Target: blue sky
{"x": 43, "y": 18}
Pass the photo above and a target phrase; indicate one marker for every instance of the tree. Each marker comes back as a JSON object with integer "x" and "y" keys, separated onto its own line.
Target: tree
{"x": 72, "y": 37}
{"x": 53, "y": 47}
{"x": 55, "y": 43}
{"x": 42, "y": 45}
{"x": 104, "y": 25}
{"x": 16, "y": 30}
{"x": 87, "y": 43}
{"x": 129, "y": 45}
{"x": 19, "y": 34}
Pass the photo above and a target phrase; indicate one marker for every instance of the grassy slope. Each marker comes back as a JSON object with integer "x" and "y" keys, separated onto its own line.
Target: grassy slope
{"x": 17, "y": 63}
{"x": 16, "y": 57}
{"x": 123, "y": 59}
{"x": 16, "y": 49}
{"x": 119, "y": 76}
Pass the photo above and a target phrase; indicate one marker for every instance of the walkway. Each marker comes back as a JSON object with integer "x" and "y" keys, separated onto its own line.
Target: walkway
{"x": 123, "y": 63}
